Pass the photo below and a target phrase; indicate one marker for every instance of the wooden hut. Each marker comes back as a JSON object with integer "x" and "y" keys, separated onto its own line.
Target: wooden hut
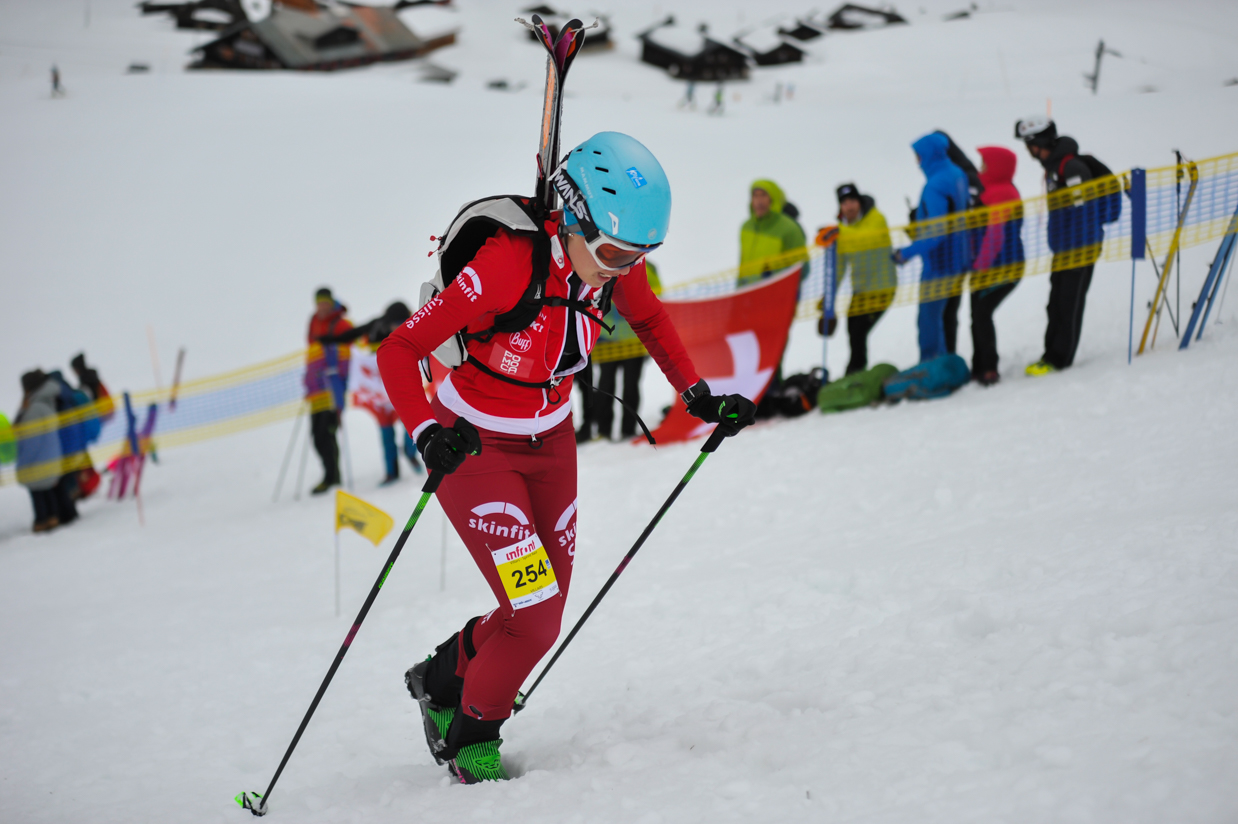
{"x": 312, "y": 36}
{"x": 691, "y": 55}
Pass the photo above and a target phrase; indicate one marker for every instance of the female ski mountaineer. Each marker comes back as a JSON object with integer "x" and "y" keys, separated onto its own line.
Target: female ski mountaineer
{"x": 508, "y": 406}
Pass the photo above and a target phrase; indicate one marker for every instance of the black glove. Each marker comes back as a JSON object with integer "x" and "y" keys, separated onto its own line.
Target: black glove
{"x": 731, "y": 412}
{"x": 443, "y": 450}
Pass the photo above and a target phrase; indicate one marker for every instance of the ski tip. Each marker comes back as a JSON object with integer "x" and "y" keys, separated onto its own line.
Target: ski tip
{"x": 253, "y": 802}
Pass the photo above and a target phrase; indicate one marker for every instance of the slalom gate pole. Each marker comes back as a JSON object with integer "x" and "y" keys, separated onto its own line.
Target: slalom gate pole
{"x": 283, "y": 470}
{"x": 296, "y": 492}
{"x": 710, "y": 446}
{"x": 257, "y": 804}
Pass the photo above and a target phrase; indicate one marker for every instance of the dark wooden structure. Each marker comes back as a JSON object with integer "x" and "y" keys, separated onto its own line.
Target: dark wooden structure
{"x": 847, "y": 17}
{"x": 803, "y": 31}
{"x": 853, "y": 16}
{"x": 301, "y": 34}
{"x": 768, "y": 48}
{"x": 210, "y": 15}
{"x": 692, "y": 56}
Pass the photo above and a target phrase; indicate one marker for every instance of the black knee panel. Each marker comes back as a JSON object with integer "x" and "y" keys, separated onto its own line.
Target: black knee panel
{"x": 442, "y": 684}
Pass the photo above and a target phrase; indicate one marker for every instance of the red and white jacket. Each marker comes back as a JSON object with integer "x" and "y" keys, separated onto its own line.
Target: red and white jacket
{"x": 493, "y": 283}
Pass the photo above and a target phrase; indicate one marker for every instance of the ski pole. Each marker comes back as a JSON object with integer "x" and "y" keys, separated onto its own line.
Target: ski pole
{"x": 283, "y": 470}
{"x": 710, "y": 446}
{"x": 257, "y": 804}
{"x": 296, "y": 492}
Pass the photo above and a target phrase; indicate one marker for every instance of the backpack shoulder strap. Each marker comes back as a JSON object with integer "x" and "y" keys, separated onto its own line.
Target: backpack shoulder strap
{"x": 1061, "y": 167}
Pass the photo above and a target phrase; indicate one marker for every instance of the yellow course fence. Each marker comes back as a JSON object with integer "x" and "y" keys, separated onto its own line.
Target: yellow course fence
{"x": 274, "y": 390}
{"x": 1208, "y": 218}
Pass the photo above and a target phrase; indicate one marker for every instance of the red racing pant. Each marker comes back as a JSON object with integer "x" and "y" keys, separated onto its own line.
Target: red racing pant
{"x": 514, "y": 506}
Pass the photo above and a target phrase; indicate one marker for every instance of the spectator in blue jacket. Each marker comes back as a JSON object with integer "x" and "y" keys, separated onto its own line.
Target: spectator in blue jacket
{"x": 945, "y": 254}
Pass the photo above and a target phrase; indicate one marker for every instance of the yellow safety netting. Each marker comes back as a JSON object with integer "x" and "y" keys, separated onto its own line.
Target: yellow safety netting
{"x": 274, "y": 390}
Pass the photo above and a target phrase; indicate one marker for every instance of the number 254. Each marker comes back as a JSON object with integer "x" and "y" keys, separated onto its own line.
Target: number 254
{"x": 529, "y": 574}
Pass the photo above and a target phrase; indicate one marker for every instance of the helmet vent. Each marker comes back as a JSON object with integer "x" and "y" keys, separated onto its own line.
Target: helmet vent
{"x": 600, "y": 169}
{"x": 611, "y": 191}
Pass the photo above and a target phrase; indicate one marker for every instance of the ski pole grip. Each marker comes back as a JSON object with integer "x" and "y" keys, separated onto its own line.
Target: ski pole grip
{"x": 715, "y": 438}
{"x": 433, "y": 481}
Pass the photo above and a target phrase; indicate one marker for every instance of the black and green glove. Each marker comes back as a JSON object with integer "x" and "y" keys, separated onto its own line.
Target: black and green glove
{"x": 731, "y": 412}
{"x": 443, "y": 449}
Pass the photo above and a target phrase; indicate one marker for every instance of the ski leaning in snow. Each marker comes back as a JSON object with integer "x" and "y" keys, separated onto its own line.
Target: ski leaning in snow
{"x": 519, "y": 295}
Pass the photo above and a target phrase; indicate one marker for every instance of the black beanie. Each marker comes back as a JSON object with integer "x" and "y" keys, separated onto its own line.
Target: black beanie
{"x": 847, "y": 190}
{"x": 397, "y": 312}
{"x": 323, "y": 294}
{"x": 32, "y": 380}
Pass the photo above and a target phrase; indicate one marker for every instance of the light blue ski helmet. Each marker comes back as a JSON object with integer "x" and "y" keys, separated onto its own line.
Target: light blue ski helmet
{"x": 612, "y": 184}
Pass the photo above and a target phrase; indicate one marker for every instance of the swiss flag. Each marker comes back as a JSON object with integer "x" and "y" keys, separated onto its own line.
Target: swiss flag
{"x": 735, "y": 343}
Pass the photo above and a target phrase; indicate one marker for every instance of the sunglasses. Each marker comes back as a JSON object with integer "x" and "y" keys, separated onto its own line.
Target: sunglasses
{"x": 612, "y": 254}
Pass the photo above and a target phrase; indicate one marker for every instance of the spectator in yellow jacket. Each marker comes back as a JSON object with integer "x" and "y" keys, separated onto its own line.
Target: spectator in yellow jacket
{"x": 864, "y": 252}
{"x": 769, "y": 240}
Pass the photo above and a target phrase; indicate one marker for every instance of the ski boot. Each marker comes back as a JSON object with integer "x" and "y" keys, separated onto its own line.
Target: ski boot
{"x": 475, "y": 763}
{"x": 435, "y": 719}
{"x": 473, "y": 746}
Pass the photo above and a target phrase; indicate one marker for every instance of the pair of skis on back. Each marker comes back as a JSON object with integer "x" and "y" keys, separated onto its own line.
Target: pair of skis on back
{"x": 561, "y": 51}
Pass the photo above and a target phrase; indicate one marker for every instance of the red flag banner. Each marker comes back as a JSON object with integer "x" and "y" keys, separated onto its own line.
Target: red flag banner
{"x": 735, "y": 342}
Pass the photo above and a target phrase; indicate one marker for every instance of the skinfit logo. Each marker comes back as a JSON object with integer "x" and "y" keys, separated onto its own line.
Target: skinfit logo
{"x": 520, "y": 341}
{"x": 490, "y": 527}
{"x": 470, "y": 283}
{"x": 636, "y": 178}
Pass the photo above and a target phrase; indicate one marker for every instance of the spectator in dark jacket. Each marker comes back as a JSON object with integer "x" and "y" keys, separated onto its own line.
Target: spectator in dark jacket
{"x": 326, "y": 381}
{"x": 999, "y": 262}
{"x": 375, "y": 332}
{"x": 1075, "y": 237}
{"x": 39, "y": 453}
{"x": 944, "y": 251}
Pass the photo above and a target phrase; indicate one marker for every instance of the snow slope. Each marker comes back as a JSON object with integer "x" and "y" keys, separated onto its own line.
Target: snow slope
{"x": 1016, "y": 604}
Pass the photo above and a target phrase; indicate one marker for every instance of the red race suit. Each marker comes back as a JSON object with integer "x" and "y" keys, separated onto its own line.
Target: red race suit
{"x": 514, "y": 505}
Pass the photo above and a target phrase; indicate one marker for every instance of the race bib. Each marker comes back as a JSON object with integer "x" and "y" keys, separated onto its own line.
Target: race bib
{"x": 526, "y": 573}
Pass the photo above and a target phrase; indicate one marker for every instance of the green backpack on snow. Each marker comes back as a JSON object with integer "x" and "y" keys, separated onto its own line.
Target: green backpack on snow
{"x": 855, "y": 391}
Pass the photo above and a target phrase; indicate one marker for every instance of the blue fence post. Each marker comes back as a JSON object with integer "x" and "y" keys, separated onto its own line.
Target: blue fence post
{"x": 1138, "y": 194}
{"x": 829, "y": 265}
{"x": 131, "y": 427}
